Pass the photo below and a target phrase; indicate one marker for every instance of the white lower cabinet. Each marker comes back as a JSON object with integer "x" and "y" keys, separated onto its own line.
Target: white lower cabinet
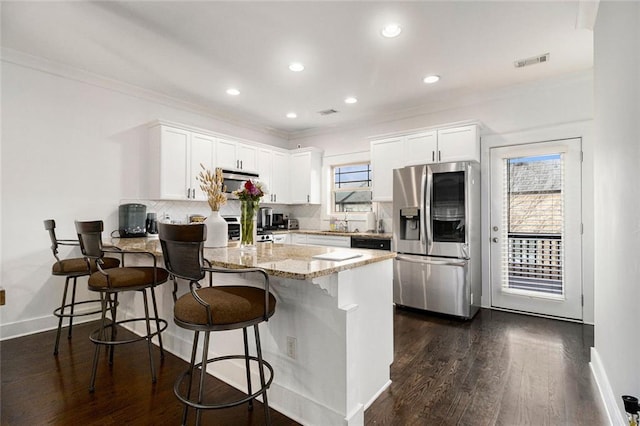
{"x": 298, "y": 239}
{"x": 328, "y": 240}
{"x": 282, "y": 238}
{"x": 321, "y": 240}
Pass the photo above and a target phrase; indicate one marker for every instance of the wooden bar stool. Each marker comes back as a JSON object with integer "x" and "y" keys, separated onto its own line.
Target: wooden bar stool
{"x": 109, "y": 283}
{"x": 72, "y": 269}
{"x": 214, "y": 308}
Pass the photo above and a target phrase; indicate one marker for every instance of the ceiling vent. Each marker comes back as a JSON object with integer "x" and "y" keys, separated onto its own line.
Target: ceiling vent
{"x": 530, "y": 61}
{"x": 328, "y": 111}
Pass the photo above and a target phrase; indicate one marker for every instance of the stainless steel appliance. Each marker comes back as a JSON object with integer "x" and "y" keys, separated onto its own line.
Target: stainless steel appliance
{"x": 278, "y": 220}
{"x": 233, "y": 227}
{"x": 265, "y": 218}
{"x": 291, "y": 224}
{"x": 132, "y": 220}
{"x": 234, "y": 180}
{"x": 436, "y": 220}
{"x": 371, "y": 243}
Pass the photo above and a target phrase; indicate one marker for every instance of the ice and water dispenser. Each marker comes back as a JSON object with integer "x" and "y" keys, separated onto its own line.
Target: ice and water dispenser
{"x": 410, "y": 223}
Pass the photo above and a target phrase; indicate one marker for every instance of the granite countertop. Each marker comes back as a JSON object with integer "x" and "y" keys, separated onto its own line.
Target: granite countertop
{"x": 383, "y": 236}
{"x": 280, "y": 260}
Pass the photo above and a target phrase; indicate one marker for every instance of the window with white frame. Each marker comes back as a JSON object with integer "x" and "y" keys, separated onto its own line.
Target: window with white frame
{"x": 351, "y": 190}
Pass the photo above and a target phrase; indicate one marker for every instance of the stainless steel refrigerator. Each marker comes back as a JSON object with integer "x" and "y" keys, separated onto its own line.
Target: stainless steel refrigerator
{"x": 436, "y": 233}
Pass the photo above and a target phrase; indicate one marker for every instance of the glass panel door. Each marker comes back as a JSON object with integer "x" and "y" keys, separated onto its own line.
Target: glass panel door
{"x": 536, "y": 246}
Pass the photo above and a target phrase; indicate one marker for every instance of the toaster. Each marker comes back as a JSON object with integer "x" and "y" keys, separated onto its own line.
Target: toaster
{"x": 292, "y": 224}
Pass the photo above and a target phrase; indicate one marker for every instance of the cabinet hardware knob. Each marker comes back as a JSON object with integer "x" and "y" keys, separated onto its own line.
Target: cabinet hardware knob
{"x": 495, "y": 240}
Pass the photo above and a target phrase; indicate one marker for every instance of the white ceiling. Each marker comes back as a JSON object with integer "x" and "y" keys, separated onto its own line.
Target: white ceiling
{"x": 194, "y": 51}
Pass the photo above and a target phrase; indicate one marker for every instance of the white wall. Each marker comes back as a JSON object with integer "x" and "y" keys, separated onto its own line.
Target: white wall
{"x": 616, "y": 356}
{"x": 71, "y": 149}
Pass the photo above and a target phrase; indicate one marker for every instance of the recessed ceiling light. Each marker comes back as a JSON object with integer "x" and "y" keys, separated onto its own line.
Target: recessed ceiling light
{"x": 292, "y": 115}
{"x": 296, "y": 67}
{"x": 350, "y": 100}
{"x": 233, "y": 92}
{"x": 431, "y": 79}
{"x": 391, "y": 30}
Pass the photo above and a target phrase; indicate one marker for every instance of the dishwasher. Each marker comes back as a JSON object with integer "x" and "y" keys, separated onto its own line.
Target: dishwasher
{"x": 371, "y": 243}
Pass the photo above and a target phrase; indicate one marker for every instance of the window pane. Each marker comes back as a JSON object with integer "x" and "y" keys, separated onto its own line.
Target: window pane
{"x": 351, "y": 188}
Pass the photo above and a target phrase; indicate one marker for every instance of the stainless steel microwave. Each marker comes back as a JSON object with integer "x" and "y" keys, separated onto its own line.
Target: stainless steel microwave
{"x": 235, "y": 179}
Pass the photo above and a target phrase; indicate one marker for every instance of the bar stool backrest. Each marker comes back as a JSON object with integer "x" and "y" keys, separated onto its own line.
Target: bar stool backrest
{"x": 182, "y": 249}
{"x": 90, "y": 237}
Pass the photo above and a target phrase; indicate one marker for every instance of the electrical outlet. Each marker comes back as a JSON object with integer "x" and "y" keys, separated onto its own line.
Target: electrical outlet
{"x": 292, "y": 350}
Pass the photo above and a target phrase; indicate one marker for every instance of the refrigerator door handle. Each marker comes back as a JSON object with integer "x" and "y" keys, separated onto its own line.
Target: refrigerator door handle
{"x": 424, "y": 202}
{"x": 432, "y": 261}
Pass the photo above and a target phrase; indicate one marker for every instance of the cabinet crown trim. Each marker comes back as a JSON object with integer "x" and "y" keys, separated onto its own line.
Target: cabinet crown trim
{"x": 411, "y": 132}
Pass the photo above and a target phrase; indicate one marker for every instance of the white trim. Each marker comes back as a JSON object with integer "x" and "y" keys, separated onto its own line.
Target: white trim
{"x": 609, "y": 400}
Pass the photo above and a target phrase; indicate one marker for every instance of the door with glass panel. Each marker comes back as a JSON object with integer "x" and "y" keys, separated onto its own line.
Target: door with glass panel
{"x": 536, "y": 228}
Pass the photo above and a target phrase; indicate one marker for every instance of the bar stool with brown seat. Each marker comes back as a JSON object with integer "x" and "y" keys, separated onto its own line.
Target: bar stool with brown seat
{"x": 72, "y": 269}
{"x": 214, "y": 308}
{"x": 109, "y": 283}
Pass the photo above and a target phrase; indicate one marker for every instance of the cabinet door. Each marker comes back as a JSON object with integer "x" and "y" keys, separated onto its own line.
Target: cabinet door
{"x": 202, "y": 147}
{"x": 225, "y": 156}
{"x": 329, "y": 240}
{"x": 247, "y": 157}
{"x": 298, "y": 239}
{"x": 265, "y": 160}
{"x": 280, "y": 177}
{"x": 420, "y": 148}
{"x": 459, "y": 144}
{"x": 174, "y": 163}
{"x": 305, "y": 171}
{"x": 299, "y": 172}
{"x": 386, "y": 155}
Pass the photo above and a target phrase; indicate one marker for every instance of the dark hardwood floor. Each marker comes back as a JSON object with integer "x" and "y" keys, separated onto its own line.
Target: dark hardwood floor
{"x": 499, "y": 369}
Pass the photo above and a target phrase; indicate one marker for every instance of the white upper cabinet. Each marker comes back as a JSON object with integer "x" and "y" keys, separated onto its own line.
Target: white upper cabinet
{"x": 226, "y": 154}
{"x": 386, "y": 155}
{"x": 273, "y": 168}
{"x": 420, "y": 148}
{"x": 305, "y": 176}
{"x": 175, "y": 158}
{"x": 280, "y": 177}
{"x": 434, "y": 146}
{"x": 459, "y": 144}
{"x": 247, "y": 157}
{"x": 236, "y": 156}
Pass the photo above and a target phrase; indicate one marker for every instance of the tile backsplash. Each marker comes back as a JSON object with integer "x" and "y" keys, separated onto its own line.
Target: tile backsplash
{"x": 309, "y": 216}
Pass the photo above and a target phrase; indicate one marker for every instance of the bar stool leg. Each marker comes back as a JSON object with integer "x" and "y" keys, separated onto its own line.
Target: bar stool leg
{"x": 265, "y": 402}
{"x": 155, "y": 311}
{"x": 192, "y": 369}
{"x": 64, "y": 301}
{"x": 149, "y": 343}
{"x": 114, "y": 331}
{"x": 73, "y": 304}
{"x": 96, "y": 353}
{"x": 203, "y": 373}
{"x": 247, "y": 366}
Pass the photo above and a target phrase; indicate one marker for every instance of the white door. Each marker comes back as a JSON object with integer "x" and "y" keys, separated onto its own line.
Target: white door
{"x": 536, "y": 228}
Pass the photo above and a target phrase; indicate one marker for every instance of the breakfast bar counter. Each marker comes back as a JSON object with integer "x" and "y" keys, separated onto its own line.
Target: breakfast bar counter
{"x": 330, "y": 340}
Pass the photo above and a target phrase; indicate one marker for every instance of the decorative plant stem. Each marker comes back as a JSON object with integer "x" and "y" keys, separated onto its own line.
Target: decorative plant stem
{"x": 248, "y": 210}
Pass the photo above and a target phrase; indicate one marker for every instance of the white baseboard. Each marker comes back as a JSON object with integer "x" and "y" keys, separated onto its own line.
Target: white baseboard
{"x": 606, "y": 393}
{"x": 38, "y": 325}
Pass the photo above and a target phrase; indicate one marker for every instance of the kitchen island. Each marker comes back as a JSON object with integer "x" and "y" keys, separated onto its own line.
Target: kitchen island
{"x": 330, "y": 341}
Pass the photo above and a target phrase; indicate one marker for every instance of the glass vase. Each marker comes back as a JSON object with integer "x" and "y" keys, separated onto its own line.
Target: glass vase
{"x": 248, "y": 225}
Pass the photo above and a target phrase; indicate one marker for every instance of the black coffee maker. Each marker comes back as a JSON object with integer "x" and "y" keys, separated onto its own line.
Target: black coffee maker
{"x": 152, "y": 223}
{"x": 132, "y": 220}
